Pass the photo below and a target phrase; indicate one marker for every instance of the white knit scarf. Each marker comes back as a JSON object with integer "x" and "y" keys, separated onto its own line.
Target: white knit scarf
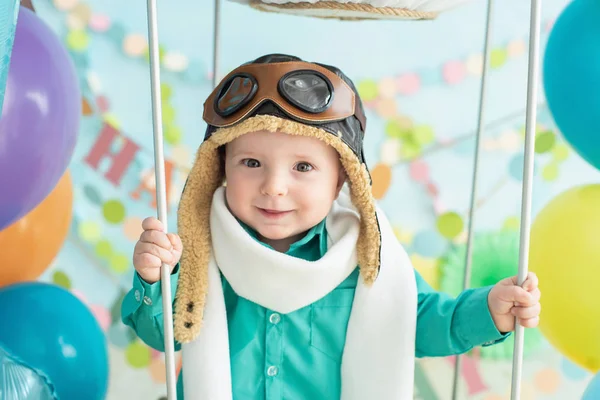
{"x": 379, "y": 355}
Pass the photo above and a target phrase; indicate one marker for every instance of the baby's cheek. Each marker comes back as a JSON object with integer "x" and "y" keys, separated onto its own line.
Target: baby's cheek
{"x": 318, "y": 208}
{"x": 234, "y": 201}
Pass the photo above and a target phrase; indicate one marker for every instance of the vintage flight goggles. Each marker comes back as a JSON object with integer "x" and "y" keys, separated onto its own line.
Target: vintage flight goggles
{"x": 304, "y": 91}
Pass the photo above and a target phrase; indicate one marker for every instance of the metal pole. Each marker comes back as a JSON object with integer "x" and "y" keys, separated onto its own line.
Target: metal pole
{"x": 480, "y": 129}
{"x": 530, "y": 130}
{"x": 216, "y": 28}
{"x": 161, "y": 196}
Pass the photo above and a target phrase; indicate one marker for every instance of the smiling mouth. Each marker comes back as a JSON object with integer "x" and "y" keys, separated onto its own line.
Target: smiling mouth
{"x": 272, "y": 213}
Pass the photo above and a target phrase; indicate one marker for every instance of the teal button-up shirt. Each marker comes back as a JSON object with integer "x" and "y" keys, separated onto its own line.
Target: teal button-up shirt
{"x": 298, "y": 355}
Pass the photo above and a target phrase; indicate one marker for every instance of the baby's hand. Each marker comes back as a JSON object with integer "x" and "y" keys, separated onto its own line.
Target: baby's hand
{"x": 154, "y": 248}
{"x": 507, "y": 300}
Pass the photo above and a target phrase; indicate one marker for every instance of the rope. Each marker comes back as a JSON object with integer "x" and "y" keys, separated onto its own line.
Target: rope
{"x": 375, "y": 12}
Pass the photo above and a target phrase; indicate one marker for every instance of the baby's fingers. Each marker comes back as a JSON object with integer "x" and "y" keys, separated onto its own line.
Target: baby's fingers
{"x": 529, "y": 323}
{"x": 152, "y": 224}
{"x": 163, "y": 255}
{"x": 175, "y": 242}
{"x": 156, "y": 237}
{"x": 531, "y": 282}
{"x": 526, "y": 312}
{"x": 533, "y": 299}
{"x": 145, "y": 262}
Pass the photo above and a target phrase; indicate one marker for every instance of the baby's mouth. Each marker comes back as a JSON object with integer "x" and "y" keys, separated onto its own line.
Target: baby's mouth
{"x": 271, "y": 213}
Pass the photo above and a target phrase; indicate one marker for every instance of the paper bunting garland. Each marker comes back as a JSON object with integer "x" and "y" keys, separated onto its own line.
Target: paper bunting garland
{"x": 83, "y": 23}
{"x": 449, "y": 73}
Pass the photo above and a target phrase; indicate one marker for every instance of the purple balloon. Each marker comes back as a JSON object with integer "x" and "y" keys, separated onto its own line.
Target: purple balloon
{"x": 40, "y": 118}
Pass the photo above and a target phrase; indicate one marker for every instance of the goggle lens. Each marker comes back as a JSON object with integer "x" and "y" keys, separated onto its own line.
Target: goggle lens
{"x": 308, "y": 91}
{"x": 235, "y": 94}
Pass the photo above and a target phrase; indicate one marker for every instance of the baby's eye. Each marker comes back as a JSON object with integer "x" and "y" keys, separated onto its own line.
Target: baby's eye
{"x": 304, "y": 167}
{"x": 251, "y": 163}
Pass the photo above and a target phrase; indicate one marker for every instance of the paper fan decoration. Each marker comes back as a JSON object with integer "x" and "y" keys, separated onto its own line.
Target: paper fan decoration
{"x": 357, "y": 9}
{"x": 495, "y": 257}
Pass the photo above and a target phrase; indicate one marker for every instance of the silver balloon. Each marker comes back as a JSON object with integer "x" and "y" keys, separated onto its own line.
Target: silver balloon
{"x": 18, "y": 381}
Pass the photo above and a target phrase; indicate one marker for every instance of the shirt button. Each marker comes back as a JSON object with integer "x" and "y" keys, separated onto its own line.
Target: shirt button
{"x": 275, "y": 318}
{"x": 137, "y": 295}
{"x": 272, "y": 370}
{"x": 147, "y": 301}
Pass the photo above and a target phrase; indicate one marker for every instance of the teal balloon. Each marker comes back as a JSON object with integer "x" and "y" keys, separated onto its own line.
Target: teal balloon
{"x": 571, "y": 77}
{"x": 593, "y": 390}
{"x": 50, "y": 329}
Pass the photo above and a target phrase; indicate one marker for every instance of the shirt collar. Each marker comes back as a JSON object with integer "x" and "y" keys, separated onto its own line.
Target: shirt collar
{"x": 317, "y": 232}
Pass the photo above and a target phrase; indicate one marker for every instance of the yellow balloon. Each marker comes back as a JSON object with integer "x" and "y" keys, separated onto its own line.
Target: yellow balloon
{"x": 565, "y": 254}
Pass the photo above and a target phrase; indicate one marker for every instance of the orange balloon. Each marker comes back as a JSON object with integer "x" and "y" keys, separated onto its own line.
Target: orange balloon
{"x": 30, "y": 244}
{"x": 382, "y": 179}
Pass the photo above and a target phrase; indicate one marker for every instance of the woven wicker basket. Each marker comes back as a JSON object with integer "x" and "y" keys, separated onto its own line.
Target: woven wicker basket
{"x": 343, "y": 11}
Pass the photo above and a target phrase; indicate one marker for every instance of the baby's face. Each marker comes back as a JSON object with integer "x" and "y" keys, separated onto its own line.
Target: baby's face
{"x": 281, "y": 185}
